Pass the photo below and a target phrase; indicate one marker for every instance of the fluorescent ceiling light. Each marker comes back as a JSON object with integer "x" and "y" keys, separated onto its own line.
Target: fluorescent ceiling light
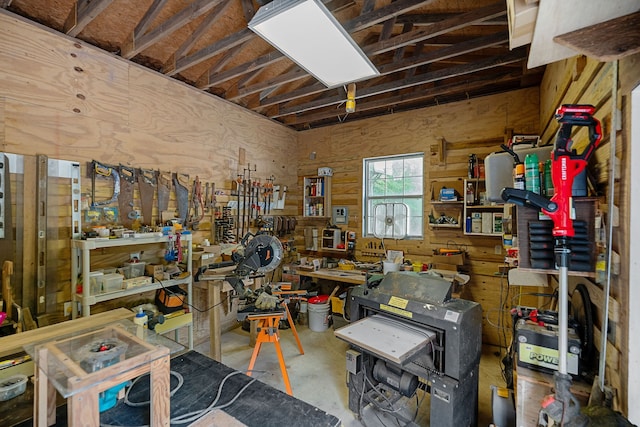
{"x": 306, "y": 32}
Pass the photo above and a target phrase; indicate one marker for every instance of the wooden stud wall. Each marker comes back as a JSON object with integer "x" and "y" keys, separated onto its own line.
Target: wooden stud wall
{"x": 67, "y": 100}
{"x": 474, "y": 126}
{"x": 585, "y": 80}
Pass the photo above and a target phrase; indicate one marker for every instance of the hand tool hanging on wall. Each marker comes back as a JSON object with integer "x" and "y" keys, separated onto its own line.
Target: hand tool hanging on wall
{"x": 4, "y": 188}
{"x": 563, "y": 407}
{"x": 147, "y": 184}
{"x": 180, "y": 183}
{"x": 238, "y": 182}
{"x": 211, "y": 203}
{"x": 206, "y": 197}
{"x": 98, "y": 169}
{"x": 164, "y": 192}
{"x": 7, "y": 296}
{"x": 125, "y": 200}
{"x": 197, "y": 205}
{"x": 248, "y": 191}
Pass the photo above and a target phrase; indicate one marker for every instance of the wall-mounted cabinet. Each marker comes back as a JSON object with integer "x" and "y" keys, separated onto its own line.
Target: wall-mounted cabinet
{"x": 317, "y": 197}
{"x": 481, "y": 218}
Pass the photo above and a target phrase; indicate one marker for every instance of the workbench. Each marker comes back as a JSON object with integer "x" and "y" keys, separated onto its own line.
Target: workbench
{"x": 353, "y": 277}
{"x": 259, "y": 405}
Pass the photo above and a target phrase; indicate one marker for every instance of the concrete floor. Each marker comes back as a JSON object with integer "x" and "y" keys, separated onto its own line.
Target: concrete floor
{"x": 318, "y": 376}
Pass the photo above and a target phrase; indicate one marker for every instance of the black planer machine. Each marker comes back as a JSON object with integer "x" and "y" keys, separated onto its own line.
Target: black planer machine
{"x": 408, "y": 332}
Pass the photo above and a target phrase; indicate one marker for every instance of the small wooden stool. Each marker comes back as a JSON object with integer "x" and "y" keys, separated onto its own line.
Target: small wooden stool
{"x": 56, "y": 370}
{"x": 268, "y": 332}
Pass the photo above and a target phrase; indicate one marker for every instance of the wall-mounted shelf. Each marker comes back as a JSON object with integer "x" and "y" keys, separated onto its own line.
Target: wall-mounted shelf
{"x": 316, "y": 202}
{"x": 481, "y": 219}
{"x": 451, "y": 209}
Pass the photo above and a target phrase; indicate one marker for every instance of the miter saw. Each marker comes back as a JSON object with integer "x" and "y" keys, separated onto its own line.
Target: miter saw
{"x": 257, "y": 255}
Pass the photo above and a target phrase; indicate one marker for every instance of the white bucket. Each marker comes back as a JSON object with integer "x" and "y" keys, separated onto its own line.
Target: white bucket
{"x": 319, "y": 317}
{"x": 303, "y": 306}
{"x": 389, "y": 266}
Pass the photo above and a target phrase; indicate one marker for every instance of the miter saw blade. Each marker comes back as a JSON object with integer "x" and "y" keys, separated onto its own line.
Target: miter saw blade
{"x": 264, "y": 253}
{"x": 582, "y": 313}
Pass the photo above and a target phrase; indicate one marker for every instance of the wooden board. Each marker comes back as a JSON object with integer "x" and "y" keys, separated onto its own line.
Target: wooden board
{"x": 608, "y": 41}
{"x": 15, "y": 343}
{"x": 560, "y": 17}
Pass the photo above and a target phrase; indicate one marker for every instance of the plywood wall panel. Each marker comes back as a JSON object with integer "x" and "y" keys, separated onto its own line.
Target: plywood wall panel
{"x": 60, "y": 72}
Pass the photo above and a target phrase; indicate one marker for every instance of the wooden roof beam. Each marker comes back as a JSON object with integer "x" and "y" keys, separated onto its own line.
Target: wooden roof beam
{"x": 357, "y": 24}
{"x": 412, "y": 96}
{"x": 415, "y": 36}
{"x": 460, "y": 21}
{"x": 458, "y": 70}
{"x": 212, "y": 50}
{"x": 82, "y": 13}
{"x": 150, "y": 15}
{"x": 421, "y": 19}
{"x": 170, "y": 67}
{"x": 140, "y": 41}
{"x": 412, "y": 62}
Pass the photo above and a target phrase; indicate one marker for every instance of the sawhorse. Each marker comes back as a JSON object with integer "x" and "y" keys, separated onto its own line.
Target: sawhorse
{"x": 268, "y": 332}
{"x": 287, "y": 296}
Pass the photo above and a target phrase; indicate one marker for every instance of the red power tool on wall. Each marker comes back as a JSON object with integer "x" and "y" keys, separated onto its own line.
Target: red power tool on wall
{"x": 562, "y": 407}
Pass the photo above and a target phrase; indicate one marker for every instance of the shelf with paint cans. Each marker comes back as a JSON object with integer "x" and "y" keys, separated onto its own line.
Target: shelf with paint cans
{"x": 316, "y": 202}
{"x": 481, "y": 217}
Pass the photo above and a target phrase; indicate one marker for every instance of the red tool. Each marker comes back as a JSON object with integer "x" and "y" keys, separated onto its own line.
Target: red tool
{"x": 567, "y": 164}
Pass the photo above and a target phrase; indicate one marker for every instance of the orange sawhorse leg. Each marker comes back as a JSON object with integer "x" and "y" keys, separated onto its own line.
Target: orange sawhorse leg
{"x": 268, "y": 332}
{"x": 287, "y": 295}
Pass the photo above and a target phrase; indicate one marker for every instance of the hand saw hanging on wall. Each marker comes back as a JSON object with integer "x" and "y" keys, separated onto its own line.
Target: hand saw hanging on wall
{"x": 147, "y": 183}
{"x": 125, "y": 200}
{"x": 99, "y": 169}
{"x": 180, "y": 183}
{"x": 164, "y": 192}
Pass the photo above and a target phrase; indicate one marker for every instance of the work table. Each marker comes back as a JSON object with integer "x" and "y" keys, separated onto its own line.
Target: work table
{"x": 354, "y": 277}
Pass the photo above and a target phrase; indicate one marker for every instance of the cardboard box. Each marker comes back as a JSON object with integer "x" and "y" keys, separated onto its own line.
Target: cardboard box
{"x": 155, "y": 270}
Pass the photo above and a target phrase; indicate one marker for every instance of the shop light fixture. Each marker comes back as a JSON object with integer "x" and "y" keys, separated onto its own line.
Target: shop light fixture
{"x": 306, "y": 32}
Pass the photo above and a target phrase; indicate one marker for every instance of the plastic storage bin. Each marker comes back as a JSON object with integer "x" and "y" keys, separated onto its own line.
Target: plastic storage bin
{"x": 12, "y": 386}
{"x": 133, "y": 269}
{"x": 95, "y": 282}
{"x": 112, "y": 282}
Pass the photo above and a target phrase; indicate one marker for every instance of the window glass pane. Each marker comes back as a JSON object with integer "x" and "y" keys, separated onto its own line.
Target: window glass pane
{"x": 413, "y": 186}
{"x": 395, "y": 187}
{"x": 395, "y": 168}
{"x": 413, "y": 167}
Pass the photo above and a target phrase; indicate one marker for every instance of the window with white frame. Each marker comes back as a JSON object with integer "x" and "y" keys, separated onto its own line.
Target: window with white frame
{"x": 394, "y": 179}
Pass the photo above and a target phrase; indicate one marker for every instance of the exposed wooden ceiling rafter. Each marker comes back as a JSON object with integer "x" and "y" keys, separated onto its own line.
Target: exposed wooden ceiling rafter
{"x": 140, "y": 41}
{"x": 493, "y": 62}
{"x": 426, "y": 51}
{"x": 82, "y": 13}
